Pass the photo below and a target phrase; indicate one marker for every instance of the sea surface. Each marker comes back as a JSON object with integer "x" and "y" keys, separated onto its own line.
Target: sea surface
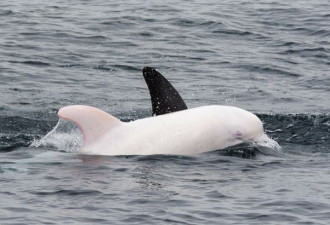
{"x": 269, "y": 57}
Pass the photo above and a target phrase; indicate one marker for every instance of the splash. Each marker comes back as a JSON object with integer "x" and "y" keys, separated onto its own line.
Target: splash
{"x": 267, "y": 145}
{"x": 65, "y": 136}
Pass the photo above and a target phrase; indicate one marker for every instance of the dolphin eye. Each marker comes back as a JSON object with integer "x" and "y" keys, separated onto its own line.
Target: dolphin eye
{"x": 238, "y": 134}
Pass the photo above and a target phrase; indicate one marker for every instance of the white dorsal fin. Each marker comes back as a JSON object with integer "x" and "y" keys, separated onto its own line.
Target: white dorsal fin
{"x": 92, "y": 122}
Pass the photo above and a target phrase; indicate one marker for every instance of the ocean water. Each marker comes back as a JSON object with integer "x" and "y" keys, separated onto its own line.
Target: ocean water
{"x": 269, "y": 57}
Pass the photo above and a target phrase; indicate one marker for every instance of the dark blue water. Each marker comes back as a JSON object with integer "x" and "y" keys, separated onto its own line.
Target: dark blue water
{"x": 269, "y": 57}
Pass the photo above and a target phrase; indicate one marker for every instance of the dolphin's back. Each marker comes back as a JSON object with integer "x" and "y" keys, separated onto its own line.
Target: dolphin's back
{"x": 186, "y": 132}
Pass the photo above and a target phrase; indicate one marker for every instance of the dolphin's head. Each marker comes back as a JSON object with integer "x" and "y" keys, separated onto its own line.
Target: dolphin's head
{"x": 248, "y": 126}
{"x": 241, "y": 125}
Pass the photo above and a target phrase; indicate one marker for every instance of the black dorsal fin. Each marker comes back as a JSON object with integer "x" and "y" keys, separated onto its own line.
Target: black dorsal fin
{"x": 164, "y": 97}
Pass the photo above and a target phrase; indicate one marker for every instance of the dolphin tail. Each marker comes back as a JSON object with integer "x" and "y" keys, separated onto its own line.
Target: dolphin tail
{"x": 92, "y": 122}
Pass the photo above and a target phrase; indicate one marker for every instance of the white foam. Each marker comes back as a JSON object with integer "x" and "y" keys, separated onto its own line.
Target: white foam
{"x": 65, "y": 136}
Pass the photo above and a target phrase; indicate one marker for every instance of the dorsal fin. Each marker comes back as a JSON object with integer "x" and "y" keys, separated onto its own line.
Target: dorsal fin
{"x": 164, "y": 97}
{"x": 92, "y": 122}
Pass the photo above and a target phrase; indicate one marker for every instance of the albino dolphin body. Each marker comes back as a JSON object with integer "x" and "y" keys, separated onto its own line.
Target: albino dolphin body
{"x": 186, "y": 132}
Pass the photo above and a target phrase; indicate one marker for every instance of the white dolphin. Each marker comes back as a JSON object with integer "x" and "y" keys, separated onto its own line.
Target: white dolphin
{"x": 186, "y": 132}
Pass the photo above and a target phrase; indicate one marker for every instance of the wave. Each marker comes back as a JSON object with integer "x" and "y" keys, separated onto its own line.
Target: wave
{"x": 302, "y": 129}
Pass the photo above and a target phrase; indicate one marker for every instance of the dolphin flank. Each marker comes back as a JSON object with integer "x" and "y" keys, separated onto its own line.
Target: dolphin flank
{"x": 186, "y": 132}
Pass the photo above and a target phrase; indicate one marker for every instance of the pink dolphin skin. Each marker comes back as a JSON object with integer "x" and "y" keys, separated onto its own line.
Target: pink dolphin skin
{"x": 186, "y": 132}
